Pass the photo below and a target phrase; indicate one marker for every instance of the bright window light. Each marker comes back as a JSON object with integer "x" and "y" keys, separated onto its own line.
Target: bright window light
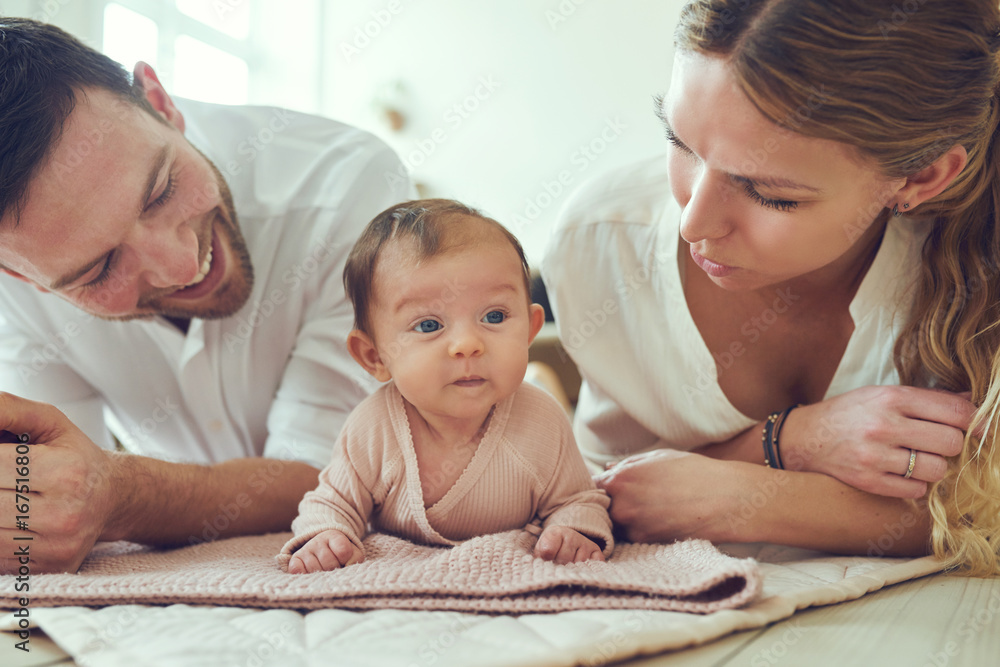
{"x": 229, "y": 16}
{"x": 129, "y": 36}
{"x": 203, "y": 72}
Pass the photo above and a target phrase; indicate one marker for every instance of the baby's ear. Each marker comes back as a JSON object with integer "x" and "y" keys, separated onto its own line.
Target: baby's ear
{"x": 536, "y": 318}
{"x": 362, "y": 348}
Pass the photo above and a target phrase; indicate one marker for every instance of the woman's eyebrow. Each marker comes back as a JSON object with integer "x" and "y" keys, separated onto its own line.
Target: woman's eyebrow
{"x": 778, "y": 182}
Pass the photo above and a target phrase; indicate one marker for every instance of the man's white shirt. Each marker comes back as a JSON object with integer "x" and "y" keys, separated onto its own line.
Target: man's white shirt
{"x": 273, "y": 380}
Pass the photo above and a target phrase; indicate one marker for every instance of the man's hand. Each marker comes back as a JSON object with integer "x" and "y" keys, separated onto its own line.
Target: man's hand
{"x": 59, "y": 489}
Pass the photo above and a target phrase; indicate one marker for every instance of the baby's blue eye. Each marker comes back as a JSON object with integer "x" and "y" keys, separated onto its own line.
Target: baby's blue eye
{"x": 494, "y": 317}
{"x": 427, "y": 326}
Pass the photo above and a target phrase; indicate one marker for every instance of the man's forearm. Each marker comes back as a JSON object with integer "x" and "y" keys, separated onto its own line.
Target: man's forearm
{"x": 176, "y": 503}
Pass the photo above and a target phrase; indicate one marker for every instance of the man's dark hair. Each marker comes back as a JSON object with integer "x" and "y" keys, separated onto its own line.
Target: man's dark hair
{"x": 42, "y": 70}
{"x": 427, "y": 223}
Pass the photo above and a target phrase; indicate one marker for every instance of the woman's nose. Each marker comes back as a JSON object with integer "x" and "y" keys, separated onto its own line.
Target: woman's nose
{"x": 706, "y": 213}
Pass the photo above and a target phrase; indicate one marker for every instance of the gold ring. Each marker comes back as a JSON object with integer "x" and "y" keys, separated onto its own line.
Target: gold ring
{"x": 913, "y": 460}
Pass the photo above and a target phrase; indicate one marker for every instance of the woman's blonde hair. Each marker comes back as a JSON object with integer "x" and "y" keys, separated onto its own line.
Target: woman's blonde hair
{"x": 903, "y": 81}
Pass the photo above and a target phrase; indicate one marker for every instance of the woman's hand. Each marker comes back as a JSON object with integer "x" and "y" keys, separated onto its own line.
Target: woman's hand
{"x": 866, "y": 437}
{"x": 666, "y": 495}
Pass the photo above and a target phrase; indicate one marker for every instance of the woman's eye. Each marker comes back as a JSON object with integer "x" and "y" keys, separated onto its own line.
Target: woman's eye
{"x": 427, "y": 326}
{"x": 494, "y": 317}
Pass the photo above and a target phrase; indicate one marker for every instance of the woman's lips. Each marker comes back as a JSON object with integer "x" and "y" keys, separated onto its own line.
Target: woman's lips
{"x": 711, "y": 268}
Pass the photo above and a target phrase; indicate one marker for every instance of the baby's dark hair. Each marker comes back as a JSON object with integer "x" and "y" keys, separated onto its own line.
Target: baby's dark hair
{"x": 424, "y": 221}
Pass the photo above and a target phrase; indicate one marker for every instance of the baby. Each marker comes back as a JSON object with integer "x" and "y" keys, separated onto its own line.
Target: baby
{"x": 455, "y": 445}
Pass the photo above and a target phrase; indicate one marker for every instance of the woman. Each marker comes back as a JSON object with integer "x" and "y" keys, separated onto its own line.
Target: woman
{"x": 824, "y": 230}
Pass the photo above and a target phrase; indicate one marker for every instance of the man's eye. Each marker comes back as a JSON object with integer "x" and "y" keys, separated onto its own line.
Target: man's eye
{"x": 165, "y": 196}
{"x": 494, "y": 317}
{"x": 427, "y": 326}
{"x": 105, "y": 274}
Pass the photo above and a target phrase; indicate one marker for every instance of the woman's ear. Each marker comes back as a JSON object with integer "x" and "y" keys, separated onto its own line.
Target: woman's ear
{"x": 157, "y": 95}
{"x": 931, "y": 180}
{"x": 362, "y": 348}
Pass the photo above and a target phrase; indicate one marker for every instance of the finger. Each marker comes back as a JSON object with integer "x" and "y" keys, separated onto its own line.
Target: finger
{"x": 309, "y": 561}
{"x": 549, "y": 544}
{"x": 19, "y": 415}
{"x": 295, "y": 565}
{"x": 941, "y": 407}
{"x": 567, "y": 553}
{"x": 931, "y": 437}
{"x": 584, "y": 552}
{"x": 327, "y": 558}
{"x": 344, "y": 550}
{"x": 897, "y": 487}
{"x": 927, "y": 467}
{"x": 589, "y": 552}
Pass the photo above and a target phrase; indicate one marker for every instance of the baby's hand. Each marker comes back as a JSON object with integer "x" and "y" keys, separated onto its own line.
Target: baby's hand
{"x": 565, "y": 545}
{"x": 329, "y": 550}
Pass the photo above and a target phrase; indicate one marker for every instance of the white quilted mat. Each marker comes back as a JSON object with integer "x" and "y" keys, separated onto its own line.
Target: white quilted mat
{"x": 182, "y": 635}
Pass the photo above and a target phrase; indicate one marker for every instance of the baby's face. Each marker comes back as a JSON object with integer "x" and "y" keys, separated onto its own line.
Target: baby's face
{"x": 453, "y": 330}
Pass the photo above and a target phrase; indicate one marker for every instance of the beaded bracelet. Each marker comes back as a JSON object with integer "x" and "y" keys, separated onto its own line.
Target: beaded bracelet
{"x": 772, "y": 431}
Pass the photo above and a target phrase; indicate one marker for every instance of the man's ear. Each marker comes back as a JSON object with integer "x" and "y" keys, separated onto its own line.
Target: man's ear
{"x": 931, "y": 180}
{"x": 157, "y": 94}
{"x": 536, "y": 318}
{"x": 22, "y": 278}
{"x": 362, "y": 348}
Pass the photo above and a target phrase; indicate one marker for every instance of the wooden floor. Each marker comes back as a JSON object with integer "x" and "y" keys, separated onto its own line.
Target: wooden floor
{"x": 936, "y": 621}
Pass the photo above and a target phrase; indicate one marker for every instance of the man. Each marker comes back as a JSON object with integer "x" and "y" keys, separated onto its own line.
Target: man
{"x": 203, "y": 314}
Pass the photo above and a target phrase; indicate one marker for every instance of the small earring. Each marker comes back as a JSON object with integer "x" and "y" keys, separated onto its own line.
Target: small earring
{"x": 895, "y": 211}
{"x": 906, "y": 206}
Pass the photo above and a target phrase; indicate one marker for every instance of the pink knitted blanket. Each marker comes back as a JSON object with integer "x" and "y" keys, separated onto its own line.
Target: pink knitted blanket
{"x": 490, "y": 574}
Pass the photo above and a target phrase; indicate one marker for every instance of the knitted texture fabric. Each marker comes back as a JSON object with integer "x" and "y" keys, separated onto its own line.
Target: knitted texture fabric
{"x": 490, "y": 574}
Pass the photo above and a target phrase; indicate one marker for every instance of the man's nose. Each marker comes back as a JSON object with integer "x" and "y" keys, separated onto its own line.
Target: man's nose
{"x": 169, "y": 256}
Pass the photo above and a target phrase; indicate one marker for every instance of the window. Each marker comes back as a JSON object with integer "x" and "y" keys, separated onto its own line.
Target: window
{"x": 203, "y": 72}
{"x": 201, "y": 49}
{"x": 129, "y": 36}
{"x": 229, "y": 16}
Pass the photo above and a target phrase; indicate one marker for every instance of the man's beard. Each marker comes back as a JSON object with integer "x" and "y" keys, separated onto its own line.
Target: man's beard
{"x": 230, "y": 296}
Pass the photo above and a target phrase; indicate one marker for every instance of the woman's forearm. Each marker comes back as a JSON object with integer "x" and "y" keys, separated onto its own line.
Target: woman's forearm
{"x": 744, "y": 446}
{"x": 665, "y": 495}
{"x": 815, "y": 511}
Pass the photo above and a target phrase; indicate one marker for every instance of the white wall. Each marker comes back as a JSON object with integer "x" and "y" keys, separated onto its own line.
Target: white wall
{"x": 565, "y": 72}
